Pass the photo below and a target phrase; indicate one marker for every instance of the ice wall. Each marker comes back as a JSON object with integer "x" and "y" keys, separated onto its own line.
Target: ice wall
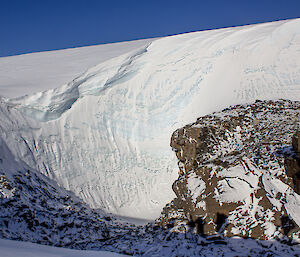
{"x": 105, "y": 135}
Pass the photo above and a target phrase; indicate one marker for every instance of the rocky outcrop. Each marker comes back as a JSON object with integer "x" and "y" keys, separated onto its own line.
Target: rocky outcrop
{"x": 292, "y": 163}
{"x": 233, "y": 177}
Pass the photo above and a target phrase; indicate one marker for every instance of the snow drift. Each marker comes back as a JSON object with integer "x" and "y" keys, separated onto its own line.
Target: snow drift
{"x": 26, "y": 249}
{"x": 105, "y": 135}
{"x": 31, "y": 73}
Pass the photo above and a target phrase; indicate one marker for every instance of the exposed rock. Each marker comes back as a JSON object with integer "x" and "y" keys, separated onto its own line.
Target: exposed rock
{"x": 292, "y": 163}
{"x": 296, "y": 143}
{"x": 232, "y": 176}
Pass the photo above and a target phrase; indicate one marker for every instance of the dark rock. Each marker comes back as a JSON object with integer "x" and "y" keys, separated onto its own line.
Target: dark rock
{"x": 292, "y": 163}
{"x": 296, "y": 142}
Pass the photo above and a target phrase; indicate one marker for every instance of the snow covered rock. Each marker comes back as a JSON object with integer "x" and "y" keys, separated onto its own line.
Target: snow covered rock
{"x": 34, "y": 208}
{"x": 232, "y": 177}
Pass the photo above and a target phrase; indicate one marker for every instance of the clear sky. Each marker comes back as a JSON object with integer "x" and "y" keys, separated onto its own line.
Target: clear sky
{"x": 38, "y": 25}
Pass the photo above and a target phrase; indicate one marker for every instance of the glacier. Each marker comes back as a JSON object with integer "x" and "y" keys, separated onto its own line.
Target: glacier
{"x": 105, "y": 135}
{"x": 34, "y": 72}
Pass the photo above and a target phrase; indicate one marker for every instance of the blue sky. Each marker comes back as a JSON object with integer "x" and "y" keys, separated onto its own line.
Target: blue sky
{"x": 38, "y": 25}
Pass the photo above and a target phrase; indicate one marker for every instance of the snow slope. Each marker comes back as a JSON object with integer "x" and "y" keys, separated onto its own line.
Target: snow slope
{"x": 105, "y": 135}
{"x": 11, "y": 248}
{"x": 31, "y": 73}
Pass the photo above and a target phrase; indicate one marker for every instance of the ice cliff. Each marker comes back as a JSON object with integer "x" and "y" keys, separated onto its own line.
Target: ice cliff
{"x": 105, "y": 135}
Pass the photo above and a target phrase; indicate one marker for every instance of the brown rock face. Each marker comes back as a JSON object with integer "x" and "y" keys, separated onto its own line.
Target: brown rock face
{"x": 296, "y": 143}
{"x": 233, "y": 177}
{"x": 292, "y": 163}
